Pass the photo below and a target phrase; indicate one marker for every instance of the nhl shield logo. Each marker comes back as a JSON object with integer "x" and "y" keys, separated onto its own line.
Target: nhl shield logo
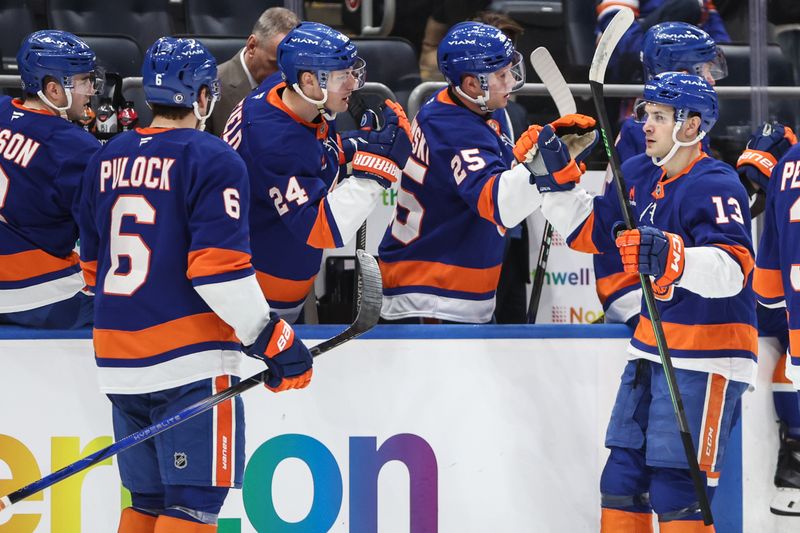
{"x": 181, "y": 460}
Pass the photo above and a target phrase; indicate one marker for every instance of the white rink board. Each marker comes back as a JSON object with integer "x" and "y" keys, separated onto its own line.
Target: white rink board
{"x": 515, "y": 425}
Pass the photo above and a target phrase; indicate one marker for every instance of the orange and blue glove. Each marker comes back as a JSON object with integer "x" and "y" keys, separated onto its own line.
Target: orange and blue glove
{"x": 555, "y": 153}
{"x": 287, "y": 358}
{"x": 653, "y": 252}
{"x": 763, "y": 151}
{"x": 381, "y": 154}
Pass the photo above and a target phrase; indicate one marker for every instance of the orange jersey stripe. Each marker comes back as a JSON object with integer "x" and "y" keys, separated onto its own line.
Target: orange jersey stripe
{"x": 794, "y": 341}
{"x": 685, "y": 526}
{"x": 27, "y": 265}
{"x": 610, "y": 284}
{"x": 89, "y": 272}
{"x": 321, "y": 235}
{"x": 211, "y": 261}
{"x": 583, "y": 241}
{"x": 440, "y": 275}
{"x": 283, "y": 290}
{"x": 223, "y": 440}
{"x": 709, "y": 436}
{"x": 486, "y": 201}
{"x": 742, "y": 255}
{"x": 617, "y": 521}
{"x": 779, "y": 374}
{"x": 768, "y": 283}
{"x": 701, "y": 336}
{"x": 185, "y": 331}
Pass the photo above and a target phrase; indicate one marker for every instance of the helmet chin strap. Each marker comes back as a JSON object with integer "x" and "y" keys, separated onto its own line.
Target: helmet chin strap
{"x": 481, "y": 101}
{"x": 61, "y": 110}
{"x": 676, "y": 144}
{"x": 203, "y": 118}
{"x": 327, "y": 114}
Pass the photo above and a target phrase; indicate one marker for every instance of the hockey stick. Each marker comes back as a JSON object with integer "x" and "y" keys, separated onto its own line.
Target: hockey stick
{"x": 611, "y": 36}
{"x": 369, "y": 121}
{"x": 368, "y": 315}
{"x": 556, "y": 85}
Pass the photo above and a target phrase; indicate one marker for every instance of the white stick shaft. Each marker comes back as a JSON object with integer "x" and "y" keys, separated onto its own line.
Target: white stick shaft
{"x": 608, "y": 42}
{"x": 553, "y": 80}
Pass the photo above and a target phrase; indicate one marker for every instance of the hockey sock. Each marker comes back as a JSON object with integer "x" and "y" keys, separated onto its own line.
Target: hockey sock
{"x": 170, "y": 524}
{"x": 135, "y": 521}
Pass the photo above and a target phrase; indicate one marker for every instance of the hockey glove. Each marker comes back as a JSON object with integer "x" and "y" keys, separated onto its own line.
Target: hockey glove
{"x": 351, "y": 141}
{"x": 653, "y": 252}
{"x": 763, "y": 151}
{"x": 289, "y": 362}
{"x": 579, "y": 133}
{"x": 561, "y": 170}
{"x": 386, "y": 151}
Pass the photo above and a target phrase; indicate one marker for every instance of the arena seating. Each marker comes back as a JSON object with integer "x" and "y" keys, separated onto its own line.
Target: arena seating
{"x": 12, "y": 35}
{"x": 733, "y": 127}
{"x": 117, "y": 53}
{"x": 392, "y": 62}
{"x": 144, "y": 20}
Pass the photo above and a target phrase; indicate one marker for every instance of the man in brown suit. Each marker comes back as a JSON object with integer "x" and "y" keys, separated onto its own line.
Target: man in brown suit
{"x": 252, "y": 64}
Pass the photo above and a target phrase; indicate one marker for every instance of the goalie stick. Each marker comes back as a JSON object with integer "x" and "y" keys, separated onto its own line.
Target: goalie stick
{"x": 553, "y": 80}
{"x": 597, "y": 72}
{"x": 368, "y": 314}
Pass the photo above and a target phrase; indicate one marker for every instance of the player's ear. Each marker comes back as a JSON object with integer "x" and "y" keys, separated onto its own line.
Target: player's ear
{"x": 203, "y": 98}
{"x": 693, "y": 126}
{"x": 470, "y": 85}
{"x": 307, "y": 79}
{"x": 51, "y": 88}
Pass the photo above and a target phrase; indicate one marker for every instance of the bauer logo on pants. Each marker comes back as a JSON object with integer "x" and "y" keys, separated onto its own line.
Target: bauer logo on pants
{"x": 181, "y": 460}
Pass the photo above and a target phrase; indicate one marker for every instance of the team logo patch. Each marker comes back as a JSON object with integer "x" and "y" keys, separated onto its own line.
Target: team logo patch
{"x": 181, "y": 460}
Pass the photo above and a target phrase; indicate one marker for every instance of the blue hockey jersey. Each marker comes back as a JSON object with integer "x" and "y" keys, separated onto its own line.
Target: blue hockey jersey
{"x": 163, "y": 214}
{"x": 707, "y": 206}
{"x": 619, "y": 291}
{"x": 441, "y": 256}
{"x": 42, "y": 157}
{"x": 777, "y": 279}
{"x": 292, "y": 165}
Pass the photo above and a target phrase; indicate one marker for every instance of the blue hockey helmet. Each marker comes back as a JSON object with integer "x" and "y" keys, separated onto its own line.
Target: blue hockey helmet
{"x": 686, "y": 93}
{"x": 175, "y": 69}
{"x": 679, "y": 46}
{"x": 478, "y": 49}
{"x": 55, "y": 53}
{"x": 314, "y": 47}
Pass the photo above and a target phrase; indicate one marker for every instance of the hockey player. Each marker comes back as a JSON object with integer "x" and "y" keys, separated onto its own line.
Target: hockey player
{"x": 43, "y": 157}
{"x": 459, "y": 181}
{"x": 667, "y": 47}
{"x": 286, "y": 135}
{"x": 164, "y": 238}
{"x": 694, "y": 242}
{"x": 757, "y": 163}
{"x": 625, "y": 61}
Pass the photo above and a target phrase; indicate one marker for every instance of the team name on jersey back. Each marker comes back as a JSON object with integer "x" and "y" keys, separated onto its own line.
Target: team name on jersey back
{"x": 141, "y": 173}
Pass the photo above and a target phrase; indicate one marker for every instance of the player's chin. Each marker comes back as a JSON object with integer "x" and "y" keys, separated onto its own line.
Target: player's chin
{"x": 502, "y": 101}
{"x": 338, "y": 103}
